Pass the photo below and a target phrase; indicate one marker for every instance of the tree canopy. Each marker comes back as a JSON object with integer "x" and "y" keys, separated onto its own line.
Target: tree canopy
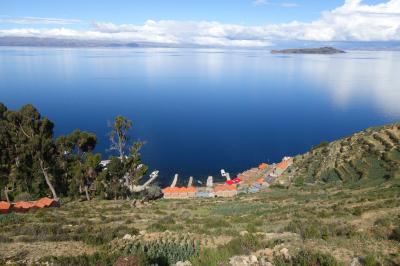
{"x": 33, "y": 161}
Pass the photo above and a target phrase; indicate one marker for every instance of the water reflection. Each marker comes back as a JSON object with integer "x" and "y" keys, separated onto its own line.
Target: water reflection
{"x": 203, "y": 110}
{"x": 358, "y": 77}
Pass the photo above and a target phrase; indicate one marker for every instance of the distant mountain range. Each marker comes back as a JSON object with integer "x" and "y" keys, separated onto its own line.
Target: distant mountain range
{"x": 53, "y": 42}
{"x": 57, "y": 42}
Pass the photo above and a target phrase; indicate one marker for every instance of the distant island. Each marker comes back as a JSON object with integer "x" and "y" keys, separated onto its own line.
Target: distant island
{"x": 321, "y": 50}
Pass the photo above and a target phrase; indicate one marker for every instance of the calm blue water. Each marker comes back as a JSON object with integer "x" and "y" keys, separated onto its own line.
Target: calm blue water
{"x": 203, "y": 110}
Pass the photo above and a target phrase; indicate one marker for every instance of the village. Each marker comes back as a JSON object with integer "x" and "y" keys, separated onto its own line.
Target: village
{"x": 250, "y": 181}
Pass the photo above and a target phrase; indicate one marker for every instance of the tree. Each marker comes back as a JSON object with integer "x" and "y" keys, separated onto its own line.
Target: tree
{"x": 5, "y": 152}
{"x": 35, "y": 150}
{"x": 84, "y": 164}
{"x": 119, "y": 135}
{"x": 114, "y": 174}
{"x": 134, "y": 167}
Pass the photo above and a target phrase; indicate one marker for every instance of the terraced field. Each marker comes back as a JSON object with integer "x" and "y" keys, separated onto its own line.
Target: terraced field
{"x": 371, "y": 154}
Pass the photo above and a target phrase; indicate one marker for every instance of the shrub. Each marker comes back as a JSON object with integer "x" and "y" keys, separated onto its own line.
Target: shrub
{"x": 153, "y": 192}
{"x": 96, "y": 259}
{"x": 314, "y": 258}
{"x": 10, "y": 219}
{"x": 163, "y": 253}
{"x": 395, "y": 235}
{"x": 215, "y": 222}
{"x": 23, "y": 196}
{"x": 370, "y": 260}
{"x": 43, "y": 232}
{"x": 316, "y": 229}
{"x": 102, "y": 235}
{"x": 357, "y": 211}
{"x": 220, "y": 256}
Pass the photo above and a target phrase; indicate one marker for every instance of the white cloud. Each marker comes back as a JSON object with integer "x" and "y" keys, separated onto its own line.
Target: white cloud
{"x": 36, "y": 20}
{"x": 289, "y": 5}
{"x": 259, "y": 2}
{"x": 270, "y": 3}
{"x": 353, "y": 21}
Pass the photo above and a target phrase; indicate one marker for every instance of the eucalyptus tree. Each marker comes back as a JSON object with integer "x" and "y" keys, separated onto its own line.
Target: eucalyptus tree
{"x": 119, "y": 135}
{"x": 84, "y": 164}
{"x": 34, "y": 148}
{"x": 133, "y": 167}
{"x": 5, "y": 154}
{"x": 113, "y": 175}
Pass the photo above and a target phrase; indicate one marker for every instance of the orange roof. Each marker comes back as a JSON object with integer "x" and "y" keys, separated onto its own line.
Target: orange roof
{"x": 44, "y": 202}
{"x": 24, "y": 205}
{"x": 4, "y": 206}
{"x": 179, "y": 189}
{"x": 283, "y": 165}
{"x": 224, "y": 188}
{"x": 263, "y": 166}
{"x": 191, "y": 189}
{"x": 260, "y": 180}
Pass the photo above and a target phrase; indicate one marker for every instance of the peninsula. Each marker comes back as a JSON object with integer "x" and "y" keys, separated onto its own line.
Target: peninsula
{"x": 321, "y": 50}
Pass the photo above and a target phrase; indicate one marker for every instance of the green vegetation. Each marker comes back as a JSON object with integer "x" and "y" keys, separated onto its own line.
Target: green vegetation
{"x": 34, "y": 164}
{"x": 370, "y": 154}
{"x": 315, "y": 223}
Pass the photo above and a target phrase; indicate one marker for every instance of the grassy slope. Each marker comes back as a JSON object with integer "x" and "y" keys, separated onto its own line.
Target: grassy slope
{"x": 370, "y": 154}
{"x": 347, "y": 219}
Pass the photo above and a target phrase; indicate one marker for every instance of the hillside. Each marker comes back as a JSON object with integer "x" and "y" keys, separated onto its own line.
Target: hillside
{"x": 355, "y": 222}
{"x": 370, "y": 154}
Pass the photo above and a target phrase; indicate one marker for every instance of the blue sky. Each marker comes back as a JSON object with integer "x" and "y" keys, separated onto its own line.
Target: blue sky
{"x": 130, "y": 11}
{"x": 256, "y": 22}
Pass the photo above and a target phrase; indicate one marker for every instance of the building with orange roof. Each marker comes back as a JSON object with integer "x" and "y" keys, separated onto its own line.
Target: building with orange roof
{"x": 263, "y": 166}
{"x": 179, "y": 192}
{"x": 191, "y": 191}
{"x": 24, "y": 206}
{"x": 45, "y": 202}
{"x": 260, "y": 180}
{"x": 225, "y": 190}
{"x": 4, "y": 207}
{"x": 283, "y": 165}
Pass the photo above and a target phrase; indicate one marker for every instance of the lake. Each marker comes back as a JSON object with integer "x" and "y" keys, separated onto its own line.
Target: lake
{"x": 201, "y": 110}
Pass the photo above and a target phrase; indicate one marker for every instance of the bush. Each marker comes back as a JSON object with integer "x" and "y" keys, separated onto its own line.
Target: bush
{"x": 395, "y": 235}
{"x": 153, "y": 192}
{"x": 102, "y": 235}
{"x": 308, "y": 258}
{"x": 96, "y": 259}
{"x": 370, "y": 260}
{"x": 238, "y": 246}
{"x": 314, "y": 258}
{"x": 215, "y": 223}
{"x": 163, "y": 253}
{"x": 10, "y": 219}
{"x": 357, "y": 211}
{"x": 23, "y": 196}
{"x": 316, "y": 229}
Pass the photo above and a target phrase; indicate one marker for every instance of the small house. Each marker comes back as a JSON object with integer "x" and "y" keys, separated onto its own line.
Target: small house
{"x": 225, "y": 191}
{"x": 4, "y": 207}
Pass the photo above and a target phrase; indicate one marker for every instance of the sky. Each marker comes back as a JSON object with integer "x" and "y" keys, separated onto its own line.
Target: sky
{"x": 242, "y": 23}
